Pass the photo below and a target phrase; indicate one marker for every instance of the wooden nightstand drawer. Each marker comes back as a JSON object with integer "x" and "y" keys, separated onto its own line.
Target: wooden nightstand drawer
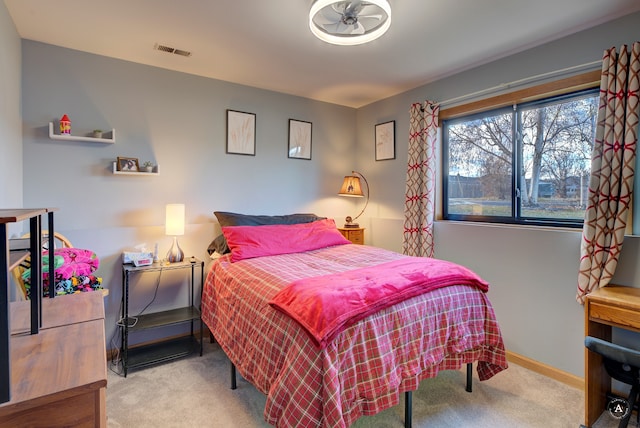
{"x": 355, "y": 235}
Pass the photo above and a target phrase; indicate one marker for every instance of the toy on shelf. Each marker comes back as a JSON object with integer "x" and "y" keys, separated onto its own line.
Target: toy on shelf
{"x": 65, "y": 125}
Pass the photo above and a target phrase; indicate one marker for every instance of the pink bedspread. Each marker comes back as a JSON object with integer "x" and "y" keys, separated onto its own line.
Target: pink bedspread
{"x": 325, "y": 305}
{"x": 367, "y": 367}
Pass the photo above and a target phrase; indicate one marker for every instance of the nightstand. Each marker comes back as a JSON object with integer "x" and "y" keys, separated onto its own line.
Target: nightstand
{"x": 353, "y": 234}
{"x": 168, "y": 349}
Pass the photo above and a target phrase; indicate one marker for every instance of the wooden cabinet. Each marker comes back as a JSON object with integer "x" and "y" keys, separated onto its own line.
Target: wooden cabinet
{"x": 58, "y": 376}
{"x": 8, "y": 261}
{"x": 53, "y": 369}
{"x": 353, "y": 234}
{"x": 611, "y": 306}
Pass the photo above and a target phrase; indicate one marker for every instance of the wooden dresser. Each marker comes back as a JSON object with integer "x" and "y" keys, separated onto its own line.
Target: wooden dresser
{"x": 606, "y": 307}
{"x": 59, "y": 376}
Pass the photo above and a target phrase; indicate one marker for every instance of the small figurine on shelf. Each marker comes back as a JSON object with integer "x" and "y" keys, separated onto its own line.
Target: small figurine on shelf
{"x": 65, "y": 125}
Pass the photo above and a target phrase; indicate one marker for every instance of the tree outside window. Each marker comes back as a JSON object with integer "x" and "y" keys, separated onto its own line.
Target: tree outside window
{"x": 528, "y": 163}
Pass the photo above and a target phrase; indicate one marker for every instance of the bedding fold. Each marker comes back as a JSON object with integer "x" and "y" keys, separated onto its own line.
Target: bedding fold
{"x": 326, "y": 305}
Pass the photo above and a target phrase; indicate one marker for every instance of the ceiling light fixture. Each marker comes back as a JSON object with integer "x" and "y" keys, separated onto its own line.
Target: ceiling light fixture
{"x": 349, "y": 22}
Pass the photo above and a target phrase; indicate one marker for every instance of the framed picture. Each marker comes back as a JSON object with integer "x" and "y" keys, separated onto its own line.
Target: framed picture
{"x": 127, "y": 164}
{"x": 299, "y": 139}
{"x": 241, "y": 133}
{"x": 386, "y": 140}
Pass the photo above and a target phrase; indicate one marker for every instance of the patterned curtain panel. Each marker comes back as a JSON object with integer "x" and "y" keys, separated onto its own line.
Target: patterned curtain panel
{"x": 420, "y": 195}
{"x": 612, "y": 169}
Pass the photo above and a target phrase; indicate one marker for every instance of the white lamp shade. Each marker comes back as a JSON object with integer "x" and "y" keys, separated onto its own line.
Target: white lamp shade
{"x": 174, "y": 224}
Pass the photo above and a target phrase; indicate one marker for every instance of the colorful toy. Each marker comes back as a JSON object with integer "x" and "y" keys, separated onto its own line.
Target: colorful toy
{"x": 65, "y": 125}
{"x": 74, "y": 268}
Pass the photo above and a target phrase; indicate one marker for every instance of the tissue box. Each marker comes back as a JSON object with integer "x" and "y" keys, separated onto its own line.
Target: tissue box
{"x": 130, "y": 256}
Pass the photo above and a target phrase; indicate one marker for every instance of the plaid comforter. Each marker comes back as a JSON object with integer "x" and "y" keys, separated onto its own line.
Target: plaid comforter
{"x": 366, "y": 367}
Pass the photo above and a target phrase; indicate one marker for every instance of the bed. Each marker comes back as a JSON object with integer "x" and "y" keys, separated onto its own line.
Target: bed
{"x": 363, "y": 366}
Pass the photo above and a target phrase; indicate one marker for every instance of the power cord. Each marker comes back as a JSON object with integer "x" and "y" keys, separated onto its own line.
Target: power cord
{"x": 155, "y": 294}
{"x": 116, "y": 366}
{"x": 115, "y": 347}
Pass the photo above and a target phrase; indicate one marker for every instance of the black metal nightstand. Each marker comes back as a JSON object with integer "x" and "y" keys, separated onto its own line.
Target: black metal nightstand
{"x": 165, "y": 350}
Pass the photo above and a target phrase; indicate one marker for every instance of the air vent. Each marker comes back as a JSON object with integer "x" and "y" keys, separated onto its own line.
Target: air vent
{"x": 181, "y": 52}
{"x": 169, "y": 49}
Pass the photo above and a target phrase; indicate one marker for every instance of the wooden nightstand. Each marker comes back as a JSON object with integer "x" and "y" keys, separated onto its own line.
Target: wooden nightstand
{"x": 353, "y": 234}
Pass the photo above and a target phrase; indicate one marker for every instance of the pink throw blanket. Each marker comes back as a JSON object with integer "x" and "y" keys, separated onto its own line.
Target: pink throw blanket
{"x": 326, "y": 305}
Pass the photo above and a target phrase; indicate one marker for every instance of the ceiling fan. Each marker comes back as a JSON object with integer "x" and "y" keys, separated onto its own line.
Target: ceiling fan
{"x": 349, "y": 22}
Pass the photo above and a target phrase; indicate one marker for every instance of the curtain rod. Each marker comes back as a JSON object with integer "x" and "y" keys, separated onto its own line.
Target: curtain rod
{"x": 590, "y": 66}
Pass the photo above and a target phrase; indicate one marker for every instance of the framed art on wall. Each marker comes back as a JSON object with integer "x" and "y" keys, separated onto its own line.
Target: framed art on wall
{"x": 127, "y": 164}
{"x": 386, "y": 140}
{"x": 241, "y": 133}
{"x": 299, "y": 139}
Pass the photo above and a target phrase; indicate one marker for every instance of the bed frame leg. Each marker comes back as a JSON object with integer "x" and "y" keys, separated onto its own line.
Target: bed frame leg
{"x": 408, "y": 398}
{"x": 233, "y": 376}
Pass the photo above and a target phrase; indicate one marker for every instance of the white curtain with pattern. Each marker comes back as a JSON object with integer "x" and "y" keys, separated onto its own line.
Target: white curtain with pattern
{"x": 612, "y": 169}
{"x": 420, "y": 195}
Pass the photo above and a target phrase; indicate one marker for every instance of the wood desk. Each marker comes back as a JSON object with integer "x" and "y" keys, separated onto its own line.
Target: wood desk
{"x": 58, "y": 376}
{"x": 611, "y": 306}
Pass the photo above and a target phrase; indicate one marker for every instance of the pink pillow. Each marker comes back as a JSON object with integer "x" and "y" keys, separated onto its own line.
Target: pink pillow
{"x": 247, "y": 242}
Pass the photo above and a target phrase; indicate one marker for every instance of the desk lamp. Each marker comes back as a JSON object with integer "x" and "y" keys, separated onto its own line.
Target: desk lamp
{"x": 174, "y": 226}
{"x": 351, "y": 187}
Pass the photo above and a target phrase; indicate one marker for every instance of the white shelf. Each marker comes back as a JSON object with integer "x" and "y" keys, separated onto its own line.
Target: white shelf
{"x": 81, "y": 138}
{"x": 156, "y": 171}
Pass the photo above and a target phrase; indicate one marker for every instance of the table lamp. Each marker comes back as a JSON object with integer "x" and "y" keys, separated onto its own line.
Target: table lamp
{"x": 174, "y": 226}
{"x": 351, "y": 187}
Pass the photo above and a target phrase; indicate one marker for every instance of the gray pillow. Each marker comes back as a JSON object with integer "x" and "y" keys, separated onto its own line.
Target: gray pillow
{"x": 219, "y": 244}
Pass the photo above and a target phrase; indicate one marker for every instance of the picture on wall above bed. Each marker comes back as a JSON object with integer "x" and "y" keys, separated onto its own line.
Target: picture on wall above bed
{"x": 386, "y": 140}
{"x": 299, "y": 139}
{"x": 241, "y": 133}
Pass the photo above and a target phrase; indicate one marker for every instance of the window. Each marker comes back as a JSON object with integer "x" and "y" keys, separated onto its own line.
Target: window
{"x": 526, "y": 163}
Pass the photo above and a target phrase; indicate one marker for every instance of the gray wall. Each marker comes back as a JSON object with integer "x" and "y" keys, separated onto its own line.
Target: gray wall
{"x": 10, "y": 120}
{"x": 533, "y": 271}
{"x": 178, "y": 120}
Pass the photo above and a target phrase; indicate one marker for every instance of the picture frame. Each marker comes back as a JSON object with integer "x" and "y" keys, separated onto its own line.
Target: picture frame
{"x": 241, "y": 133}
{"x": 299, "y": 139}
{"x": 127, "y": 164}
{"x": 385, "y": 140}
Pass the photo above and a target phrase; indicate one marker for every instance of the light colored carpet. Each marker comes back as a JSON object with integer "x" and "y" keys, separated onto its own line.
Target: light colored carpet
{"x": 194, "y": 392}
